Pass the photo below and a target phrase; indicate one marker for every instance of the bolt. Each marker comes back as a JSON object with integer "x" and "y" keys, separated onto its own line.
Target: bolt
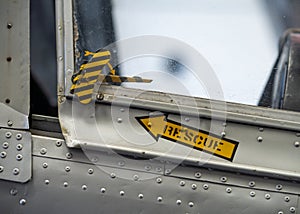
{"x": 22, "y": 201}
{"x": 279, "y": 187}
{"x": 13, "y": 192}
{"x": 84, "y": 187}
{"x": 47, "y": 182}
{"x": 228, "y": 190}
{"x": 198, "y": 175}
{"x": 251, "y": 183}
{"x": 16, "y": 171}
{"x": 19, "y": 136}
{"x": 191, "y": 204}
{"x": 267, "y": 196}
{"x": 69, "y": 155}
{"x": 19, "y": 157}
{"x": 58, "y": 143}
{"x": 1, "y": 169}
{"x": 259, "y": 139}
{"x": 194, "y": 186}
{"x": 122, "y": 193}
{"x": 178, "y": 202}
{"x": 136, "y": 177}
{"x": 5, "y": 145}
{"x": 102, "y": 190}
{"x": 19, "y": 147}
{"x": 43, "y": 151}
{"x": 90, "y": 171}
{"x": 159, "y": 199}
{"x": 66, "y": 184}
{"x": 3, "y": 154}
{"x": 141, "y": 196}
{"x": 10, "y": 123}
{"x": 205, "y": 186}
{"x": 8, "y": 134}
{"x": 252, "y": 194}
{"x": 67, "y": 169}
{"x": 223, "y": 179}
{"x": 158, "y": 180}
{"x": 99, "y": 96}
{"x": 45, "y": 165}
{"x": 292, "y": 209}
{"x": 297, "y": 144}
{"x": 286, "y": 198}
{"x": 113, "y": 175}
{"x": 182, "y": 183}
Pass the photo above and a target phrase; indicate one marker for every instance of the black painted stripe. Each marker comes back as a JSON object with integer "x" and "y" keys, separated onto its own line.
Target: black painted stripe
{"x": 100, "y": 58}
{"x": 84, "y": 88}
{"x": 92, "y": 69}
{"x": 85, "y": 97}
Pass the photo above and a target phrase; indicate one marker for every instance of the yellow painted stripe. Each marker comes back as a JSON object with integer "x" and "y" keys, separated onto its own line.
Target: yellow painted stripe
{"x": 103, "y": 53}
{"x": 94, "y": 64}
{"x": 86, "y": 101}
{"x": 86, "y": 92}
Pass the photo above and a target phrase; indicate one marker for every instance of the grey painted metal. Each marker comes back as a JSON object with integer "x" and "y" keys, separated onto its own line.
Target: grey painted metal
{"x": 68, "y": 186}
{"x": 15, "y": 155}
{"x": 14, "y": 64}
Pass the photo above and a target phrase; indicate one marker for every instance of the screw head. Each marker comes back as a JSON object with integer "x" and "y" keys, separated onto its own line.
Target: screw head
{"x": 67, "y": 169}
{"x": 136, "y": 177}
{"x": 259, "y": 139}
{"x": 10, "y": 123}
{"x": 66, "y": 184}
{"x": 9, "y": 25}
{"x": 251, "y": 184}
{"x": 47, "y": 182}
{"x": 182, "y": 183}
{"x": 223, "y": 134}
{"x": 119, "y": 120}
{"x": 194, "y": 186}
{"x": 168, "y": 171}
{"x": 100, "y": 96}
{"x": 297, "y": 144}
{"x": 22, "y": 201}
{"x": 148, "y": 167}
{"x": 3, "y": 154}
{"x": 191, "y": 204}
{"x": 286, "y": 198}
{"x": 45, "y": 165}
{"x": 1, "y": 169}
{"x": 84, "y": 187}
{"x": 178, "y": 202}
{"x": 69, "y": 155}
{"x": 113, "y": 175}
{"x": 13, "y": 192}
{"x": 223, "y": 179}
{"x": 279, "y": 187}
{"x": 121, "y": 163}
{"x": 16, "y": 171}
{"x": 5, "y": 145}
{"x": 280, "y": 212}
{"x": 102, "y": 190}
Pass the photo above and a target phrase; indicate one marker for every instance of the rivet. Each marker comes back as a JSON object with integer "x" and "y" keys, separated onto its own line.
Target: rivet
{"x": 113, "y": 175}
{"x": 13, "y": 192}
{"x": 19, "y": 147}
{"x": 286, "y": 198}
{"x": 191, "y": 204}
{"x": 47, "y": 182}
{"x": 16, "y": 171}
{"x": 90, "y": 171}
{"x": 168, "y": 171}
{"x": 224, "y": 124}
{"x": 94, "y": 160}
{"x": 223, "y": 134}
{"x": 198, "y": 175}
{"x": 194, "y": 186}
{"x": 267, "y": 196}
{"x": 228, "y": 190}
{"x": 252, "y": 194}
{"x": 45, "y": 165}
{"x": 19, "y": 136}
{"x": 149, "y": 124}
{"x": 259, "y": 139}
{"x": 187, "y": 119}
{"x": 297, "y": 144}
{"x": 99, "y": 96}
{"x": 205, "y": 186}
{"x": 69, "y": 155}
{"x": 60, "y": 58}
{"x": 182, "y": 183}
{"x": 136, "y": 177}
{"x": 280, "y": 212}
{"x": 3, "y": 154}
{"x": 261, "y": 129}
{"x": 178, "y": 202}
{"x": 158, "y": 180}
{"x": 43, "y": 151}
{"x": 223, "y": 179}
{"x": 122, "y": 193}
{"x": 22, "y": 201}
{"x": 58, "y": 143}
{"x": 121, "y": 163}
{"x": 159, "y": 199}
{"x": 19, "y": 157}
{"x": 148, "y": 167}
{"x": 119, "y": 120}
{"x": 66, "y": 184}
{"x": 122, "y": 110}
{"x": 67, "y": 169}
{"x": 84, "y": 187}
{"x": 9, "y": 25}
{"x": 140, "y": 196}
{"x": 10, "y": 123}
{"x": 8, "y": 134}
{"x": 1, "y": 169}
{"x": 158, "y": 169}
{"x": 251, "y": 184}
{"x": 298, "y": 134}
{"x": 59, "y": 27}
{"x": 102, "y": 190}
{"x": 5, "y": 145}
{"x": 292, "y": 209}
{"x": 279, "y": 187}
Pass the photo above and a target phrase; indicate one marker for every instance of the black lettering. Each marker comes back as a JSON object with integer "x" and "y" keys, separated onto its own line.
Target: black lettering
{"x": 176, "y": 132}
{"x": 170, "y": 130}
{"x": 216, "y": 145}
{"x": 210, "y": 144}
{"x": 188, "y": 136}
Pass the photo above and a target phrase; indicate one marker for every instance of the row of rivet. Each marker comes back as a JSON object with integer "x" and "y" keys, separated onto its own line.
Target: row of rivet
{"x": 8, "y": 135}
{"x": 15, "y": 171}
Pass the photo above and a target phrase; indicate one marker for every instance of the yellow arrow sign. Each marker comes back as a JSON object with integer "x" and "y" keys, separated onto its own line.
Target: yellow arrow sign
{"x": 161, "y": 127}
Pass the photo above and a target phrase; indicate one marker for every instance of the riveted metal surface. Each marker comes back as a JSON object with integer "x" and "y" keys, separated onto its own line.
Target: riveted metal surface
{"x": 15, "y": 155}
{"x": 53, "y": 190}
{"x": 14, "y": 64}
